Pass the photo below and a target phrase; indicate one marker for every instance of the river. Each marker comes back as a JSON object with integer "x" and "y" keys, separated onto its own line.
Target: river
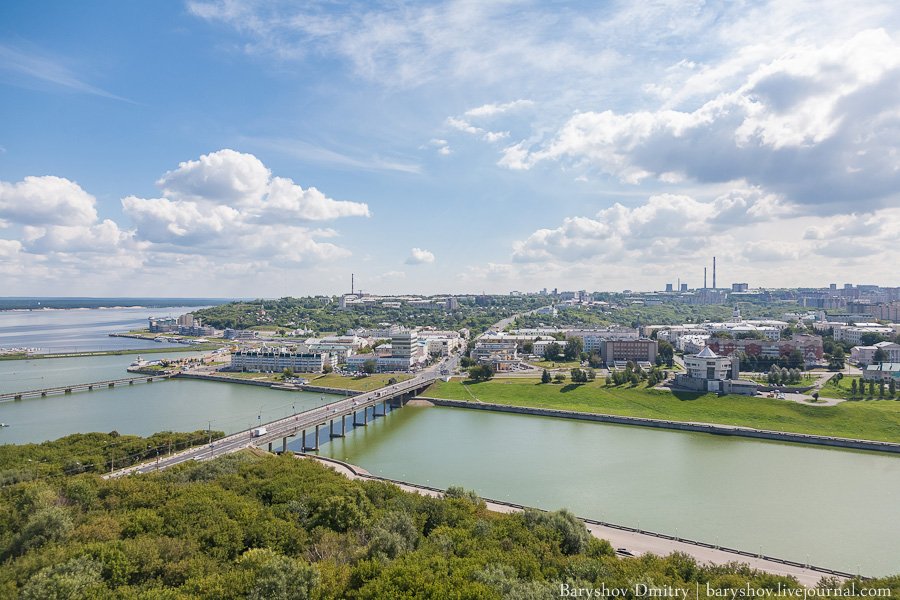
{"x": 833, "y": 508}
{"x": 80, "y": 329}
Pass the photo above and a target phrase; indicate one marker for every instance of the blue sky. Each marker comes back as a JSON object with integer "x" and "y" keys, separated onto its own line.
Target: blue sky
{"x": 242, "y": 148}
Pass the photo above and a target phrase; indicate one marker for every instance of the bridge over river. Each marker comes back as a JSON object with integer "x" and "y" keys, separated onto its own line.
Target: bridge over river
{"x": 307, "y": 425}
{"x": 81, "y": 387}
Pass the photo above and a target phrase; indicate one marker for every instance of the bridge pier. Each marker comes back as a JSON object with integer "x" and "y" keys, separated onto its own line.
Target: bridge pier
{"x": 303, "y": 441}
{"x": 365, "y": 416}
{"x": 131, "y": 382}
{"x": 270, "y": 446}
{"x": 284, "y": 444}
{"x": 19, "y": 396}
{"x": 68, "y": 390}
{"x": 112, "y": 385}
{"x": 316, "y": 442}
{"x": 90, "y": 388}
{"x": 331, "y": 433}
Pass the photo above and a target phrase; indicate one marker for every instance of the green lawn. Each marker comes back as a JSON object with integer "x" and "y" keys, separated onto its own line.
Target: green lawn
{"x": 550, "y": 364}
{"x": 372, "y": 382}
{"x": 841, "y": 389}
{"x": 872, "y": 420}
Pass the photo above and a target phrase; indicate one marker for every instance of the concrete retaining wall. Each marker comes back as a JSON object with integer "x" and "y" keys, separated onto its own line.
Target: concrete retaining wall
{"x": 223, "y": 379}
{"x": 800, "y": 438}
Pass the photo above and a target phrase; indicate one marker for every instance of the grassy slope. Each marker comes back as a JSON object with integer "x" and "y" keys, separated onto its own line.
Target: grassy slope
{"x": 334, "y": 380}
{"x": 873, "y": 420}
{"x": 371, "y": 382}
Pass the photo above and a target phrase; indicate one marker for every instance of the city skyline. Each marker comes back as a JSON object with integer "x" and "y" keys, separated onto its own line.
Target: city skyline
{"x": 238, "y": 149}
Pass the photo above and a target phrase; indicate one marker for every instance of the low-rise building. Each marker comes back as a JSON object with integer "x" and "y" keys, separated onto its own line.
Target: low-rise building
{"x": 707, "y": 371}
{"x": 882, "y": 372}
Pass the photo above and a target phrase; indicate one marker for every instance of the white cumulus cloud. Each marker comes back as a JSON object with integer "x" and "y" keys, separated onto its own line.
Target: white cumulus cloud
{"x": 419, "y": 256}
{"x": 46, "y": 200}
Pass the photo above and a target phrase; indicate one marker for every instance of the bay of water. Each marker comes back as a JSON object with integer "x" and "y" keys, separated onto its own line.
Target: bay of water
{"x": 80, "y": 330}
{"x": 833, "y": 508}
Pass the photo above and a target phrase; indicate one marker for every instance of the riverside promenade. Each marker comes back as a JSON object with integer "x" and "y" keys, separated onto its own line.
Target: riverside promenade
{"x": 734, "y": 430}
{"x": 635, "y": 541}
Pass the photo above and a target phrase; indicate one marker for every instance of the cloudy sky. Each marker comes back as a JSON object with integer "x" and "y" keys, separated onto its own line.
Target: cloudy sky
{"x": 259, "y": 148}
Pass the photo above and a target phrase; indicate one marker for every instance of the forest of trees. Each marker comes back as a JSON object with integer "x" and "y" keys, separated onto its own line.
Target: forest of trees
{"x": 267, "y": 527}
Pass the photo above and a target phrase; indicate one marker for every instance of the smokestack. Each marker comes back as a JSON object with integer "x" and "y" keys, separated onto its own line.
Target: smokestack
{"x": 714, "y": 273}
{"x": 704, "y": 278}
{"x": 352, "y": 283}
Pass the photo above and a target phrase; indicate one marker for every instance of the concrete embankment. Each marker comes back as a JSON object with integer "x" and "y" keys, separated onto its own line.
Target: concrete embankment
{"x": 301, "y": 388}
{"x": 800, "y": 438}
{"x": 635, "y": 541}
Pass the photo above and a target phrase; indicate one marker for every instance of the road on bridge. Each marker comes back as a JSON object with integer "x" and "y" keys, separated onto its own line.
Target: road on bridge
{"x": 292, "y": 425}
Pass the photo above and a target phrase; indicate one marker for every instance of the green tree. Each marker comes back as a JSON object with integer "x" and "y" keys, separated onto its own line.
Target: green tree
{"x": 76, "y": 578}
{"x": 545, "y": 376}
{"x": 666, "y": 352}
{"x": 870, "y": 339}
{"x": 481, "y": 372}
{"x": 837, "y": 358}
{"x": 369, "y": 366}
{"x": 892, "y": 388}
{"x": 879, "y": 356}
{"x": 574, "y": 348}
{"x": 552, "y": 351}
{"x": 277, "y": 577}
{"x": 559, "y": 378}
{"x": 853, "y": 387}
{"x": 287, "y": 373}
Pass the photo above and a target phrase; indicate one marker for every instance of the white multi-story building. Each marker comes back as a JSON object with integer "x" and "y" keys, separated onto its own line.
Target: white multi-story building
{"x": 593, "y": 338}
{"x": 852, "y": 334}
{"x": 274, "y": 360}
{"x": 865, "y": 355}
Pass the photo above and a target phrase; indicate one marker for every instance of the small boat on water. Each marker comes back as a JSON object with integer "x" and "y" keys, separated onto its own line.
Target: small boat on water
{"x": 4, "y": 424}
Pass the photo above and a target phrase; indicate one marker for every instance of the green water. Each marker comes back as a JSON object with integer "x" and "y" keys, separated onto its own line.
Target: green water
{"x": 833, "y": 508}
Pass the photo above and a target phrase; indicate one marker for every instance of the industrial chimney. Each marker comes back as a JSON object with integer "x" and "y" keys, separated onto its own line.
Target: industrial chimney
{"x": 714, "y": 273}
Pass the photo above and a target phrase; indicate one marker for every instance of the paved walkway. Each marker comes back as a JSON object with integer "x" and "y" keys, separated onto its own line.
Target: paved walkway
{"x": 634, "y": 542}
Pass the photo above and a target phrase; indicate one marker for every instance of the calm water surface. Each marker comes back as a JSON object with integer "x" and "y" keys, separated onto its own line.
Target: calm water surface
{"x": 79, "y": 330}
{"x": 835, "y": 508}
{"x": 40, "y": 373}
{"x": 142, "y": 409}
